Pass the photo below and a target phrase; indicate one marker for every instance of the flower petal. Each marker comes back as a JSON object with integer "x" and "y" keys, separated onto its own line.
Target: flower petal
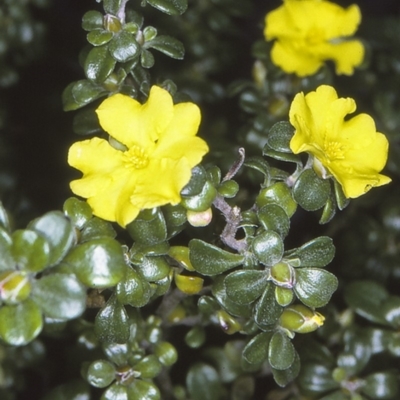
{"x": 132, "y": 123}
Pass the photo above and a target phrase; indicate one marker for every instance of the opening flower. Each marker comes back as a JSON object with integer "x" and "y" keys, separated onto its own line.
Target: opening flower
{"x": 309, "y": 32}
{"x": 158, "y": 148}
{"x": 349, "y": 150}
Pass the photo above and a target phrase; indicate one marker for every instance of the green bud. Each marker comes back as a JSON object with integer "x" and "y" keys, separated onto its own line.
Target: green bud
{"x": 227, "y": 323}
{"x": 301, "y": 319}
{"x": 148, "y": 367}
{"x": 15, "y": 286}
{"x": 112, "y": 23}
{"x": 166, "y": 353}
{"x": 100, "y": 373}
{"x": 282, "y": 275}
{"x": 149, "y": 33}
{"x": 188, "y": 284}
{"x": 195, "y": 337}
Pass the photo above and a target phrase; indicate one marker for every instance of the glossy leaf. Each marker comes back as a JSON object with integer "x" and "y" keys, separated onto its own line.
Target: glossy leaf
{"x": 268, "y": 247}
{"x": 171, "y": 7}
{"x": 267, "y": 311}
{"x": 318, "y": 252}
{"x": 273, "y": 217}
{"x": 99, "y": 64}
{"x": 98, "y": 37}
{"x": 314, "y": 287}
{"x": 92, "y": 20}
{"x": 58, "y": 231}
{"x": 245, "y": 286}
{"x": 124, "y": 47}
{"x": 6, "y": 260}
{"x": 98, "y": 263}
{"x": 78, "y": 211}
{"x": 211, "y": 260}
{"x": 381, "y": 385}
{"x": 30, "y": 250}
{"x": 167, "y": 45}
{"x": 196, "y": 183}
{"x": 112, "y": 6}
{"x": 281, "y": 352}
{"x": 20, "y": 324}
{"x": 256, "y": 351}
{"x": 112, "y": 323}
{"x": 133, "y": 289}
{"x": 100, "y": 373}
{"x": 141, "y": 389}
{"x": 60, "y": 296}
{"x": 280, "y": 194}
{"x": 310, "y": 191}
{"x": 284, "y": 377}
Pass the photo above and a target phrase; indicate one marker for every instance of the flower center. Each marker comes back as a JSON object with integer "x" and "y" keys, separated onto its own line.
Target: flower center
{"x": 136, "y": 157}
{"x": 334, "y": 151}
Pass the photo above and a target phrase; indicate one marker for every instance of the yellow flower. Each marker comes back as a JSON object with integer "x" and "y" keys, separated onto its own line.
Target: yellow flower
{"x": 309, "y": 32}
{"x": 350, "y": 150}
{"x": 159, "y": 149}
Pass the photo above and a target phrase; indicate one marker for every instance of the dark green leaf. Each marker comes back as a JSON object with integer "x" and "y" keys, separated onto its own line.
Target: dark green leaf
{"x": 6, "y": 260}
{"x": 124, "y": 47}
{"x": 245, "y": 286}
{"x": 58, "y": 231}
{"x": 133, "y": 290}
{"x": 98, "y": 263}
{"x": 112, "y": 6}
{"x": 281, "y": 352}
{"x": 98, "y": 37}
{"x": 211, "y": 260}
{"x": 78, "y": 211}
{"x": 154, "y": 268}
{"x": 196, "y": 183}
{"x": 99, "y": 64}
{"x": 256, "y": 351}
{"x": 112, "y": 322}
{"x": 92, "y": 20}
{"x": 284, "y": 377}
{"x": 203, "y": 382}
{"x": 60, "y": 296}
{"x": 100, "y": 373}
{"x": 314, "y": 287}
{"x": 268, "y": 247}
{"x": 315, "y": 253}
{"x": 146, "y": 59}
{"x": 73, "y": 390}
{"x": 310, "y": 191}
{"x": 267, "y": 311}
{"x": 381, "y": 385}
{"x": 141, "y": 389}
{"x": 167, "y": 45}
{"x": 273, "y": 217}
{"x": 279, "y": 137}
{"x": 171, "y": 7}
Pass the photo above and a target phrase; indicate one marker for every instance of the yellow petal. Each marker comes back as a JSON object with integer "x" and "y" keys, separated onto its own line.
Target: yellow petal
{"x": 132, "y": 123}
{"x": 179, "y": 140}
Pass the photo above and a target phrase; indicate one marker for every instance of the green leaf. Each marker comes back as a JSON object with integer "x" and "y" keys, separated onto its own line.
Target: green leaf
{"x": 284, "y": 377}
{"x": 273, "y": 217}
{"x": 259, "y": 164}
{"x": 281, "y": 352}
{"x": 6, "y": 260}
{"x": 85, "y": 122}
{"x": 268, "y": 247}
{"x": 318, "y": 252}
{"x": 58, "y": 231}
{"x": 20, "y": 324}
{"x": 112, "y": 6}
{"x": 111, "y": 324}
{"x": 154, "y": 268}
{"x": 79, "y": 94}
{"x": 203, "y": 382}
{"x": 100, "y": 373}
{"x": 287, "y": 157}
{"x": 149, "y": 367}
{"x": 30, "y": 250}
{"x": 4, "y": 218}
{"x": 367, "y": 299}
{"x": 280, "y": 194}
{"x": 149, "y": 227}
{"x": 134, "y": 289}
{"x": 142, "y": 390}
{"x": 124, "y": 47}
{"x": 310, "y": 191}
{"x": 245, "y": 286}
{"x": 99, "y": 64}
{"x": 60, "y": 296}
{"x": 78, "y": 211}
{"x": 98, "y": 263}
{"x": 98, "y": 37}
{"x": 115, "y": 392}
{"x": 267, "y": 311}
{"x": 196, "y": 183}
{"x": 329, "y": 211}
{"x": 317, "y": 378}
{"x": 96, "y": 228}
{"x": 211, "y": 260}
{"x": 381, "y": 385}
{"x": 92, "y": 20}
{"x": 171, "y": 7}
{"x": 146, "y": 59}
{"x": 167, "y": 45}
{"x": 219, "y": 293}
{"x": 256, "y": 351}
{"x": 341, "y": 200}
{"x": 279, "y": 137}
{"x": 203, "y": 200}
{"x": 314, "y": 287}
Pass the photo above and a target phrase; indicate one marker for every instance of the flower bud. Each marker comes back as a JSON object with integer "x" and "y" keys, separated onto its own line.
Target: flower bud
{"x": 14, "y": 286}
{"x": 112, "y": 23}
{"x": 301, "y": 319}
{"x": 199, "y": 219}
{"x": 282, "y": 275}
